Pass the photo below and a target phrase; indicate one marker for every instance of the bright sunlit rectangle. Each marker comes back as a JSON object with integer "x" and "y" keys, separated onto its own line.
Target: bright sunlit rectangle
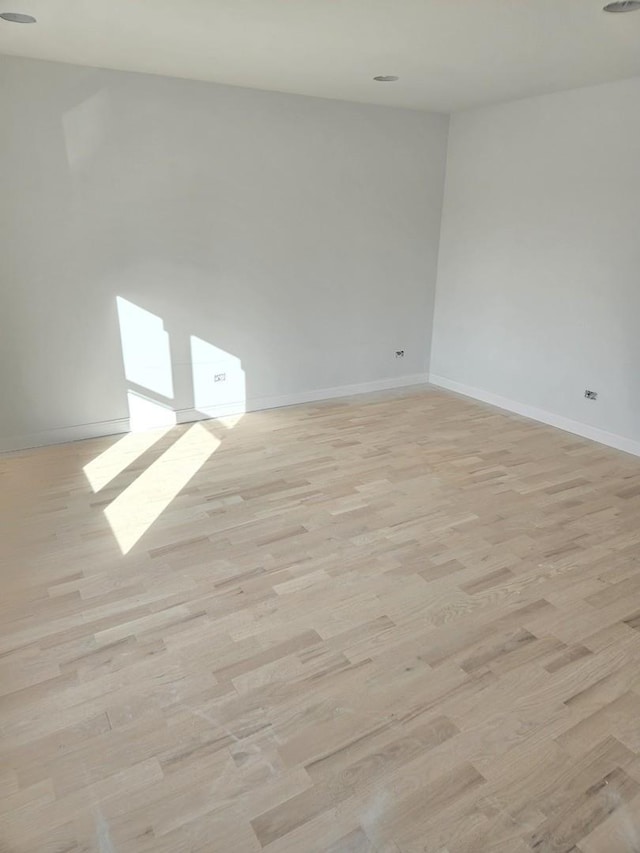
{"x": 219, "y": 386}
{"x": 133, "y": 512}
{"x": 146, "y": 350}
{"x": 147, "y": 414}
{"x": 106, "y": 467}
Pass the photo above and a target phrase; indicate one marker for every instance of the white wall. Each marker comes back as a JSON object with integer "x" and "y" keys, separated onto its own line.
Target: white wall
{"x": 538, "y": 291}
{"x": 298, "y": 235}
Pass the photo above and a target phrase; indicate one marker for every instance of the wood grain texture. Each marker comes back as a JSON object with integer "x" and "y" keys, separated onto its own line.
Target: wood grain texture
{"x": 403, "y": 622}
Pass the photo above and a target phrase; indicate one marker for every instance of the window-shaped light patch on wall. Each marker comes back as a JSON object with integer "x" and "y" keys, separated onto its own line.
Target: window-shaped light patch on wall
{"x": 219, "y": 386}
{"x": 146, "y": 354}
{"x": 145, "y": 349}
{"x": 145, "y": 413}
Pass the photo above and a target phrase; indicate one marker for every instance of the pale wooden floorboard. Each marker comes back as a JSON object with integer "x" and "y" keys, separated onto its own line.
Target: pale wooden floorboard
{"x": 398, "y": 623}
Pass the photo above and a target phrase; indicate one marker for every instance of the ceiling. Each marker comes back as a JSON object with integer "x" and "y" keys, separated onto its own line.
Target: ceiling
{"x": 449, "y": 54}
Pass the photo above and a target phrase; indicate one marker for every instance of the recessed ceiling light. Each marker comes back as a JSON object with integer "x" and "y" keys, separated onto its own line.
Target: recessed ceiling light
{"x": 391, "y": 79}
{"x": 623, "y": 6}
{"x": 18, "y": 18}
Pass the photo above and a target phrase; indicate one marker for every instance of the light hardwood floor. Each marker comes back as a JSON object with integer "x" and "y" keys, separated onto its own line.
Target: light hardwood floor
{"x": 398, "y": 623}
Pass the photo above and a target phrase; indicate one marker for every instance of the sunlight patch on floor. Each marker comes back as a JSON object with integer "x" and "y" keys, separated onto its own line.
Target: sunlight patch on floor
{"x": 229, "y": 421}
{"x": 106, "y": 467}
{"x": 133, "y": 512}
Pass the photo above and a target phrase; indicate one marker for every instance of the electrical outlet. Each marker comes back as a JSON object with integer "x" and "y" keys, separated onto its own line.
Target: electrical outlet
{"x": 220, "y": 377}
{"x": 591, "y": 395}
{"x": 399, "y": 353}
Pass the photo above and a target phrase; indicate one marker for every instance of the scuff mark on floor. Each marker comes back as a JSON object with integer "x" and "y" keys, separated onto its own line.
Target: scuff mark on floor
{"x": 103, "y": 837}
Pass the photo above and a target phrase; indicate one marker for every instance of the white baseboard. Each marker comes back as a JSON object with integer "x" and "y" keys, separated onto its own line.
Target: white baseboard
{"x": 62, "y": 435}
{"x": 258, "y": 404}
{"x": 628, "y": 445}
{"x": 115, "y": 427}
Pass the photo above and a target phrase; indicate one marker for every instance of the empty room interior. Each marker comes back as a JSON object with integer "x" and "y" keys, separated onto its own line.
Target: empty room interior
{"x": 319, "y": 426}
